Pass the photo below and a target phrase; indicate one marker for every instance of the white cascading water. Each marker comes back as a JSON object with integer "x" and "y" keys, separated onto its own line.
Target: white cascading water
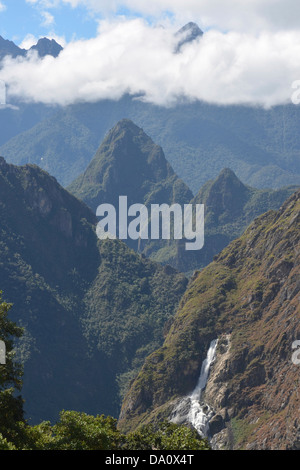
{"x": 190, "y": 408}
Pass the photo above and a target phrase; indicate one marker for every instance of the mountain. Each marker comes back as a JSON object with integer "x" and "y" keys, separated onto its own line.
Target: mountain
{"x": 261, "y": 146}
{"x": 46, "y": 46}
{"x": 91, "y": 311}
{"x": 188, "y": 33}
{"x": 248, "y": 300}
{"x": 129, "y": 163}
{"x": 230, "y": 206}
{"x": 9, "y": 48}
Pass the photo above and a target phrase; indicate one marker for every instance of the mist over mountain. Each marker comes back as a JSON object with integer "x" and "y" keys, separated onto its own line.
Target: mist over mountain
{"x": 43, "y": 47}
{"x": 188, "y": 33}
{"x": 46, "y": 46}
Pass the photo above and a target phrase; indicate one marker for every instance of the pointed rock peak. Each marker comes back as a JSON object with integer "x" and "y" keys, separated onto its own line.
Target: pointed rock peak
{"x": 47, "y": 46}
{"x": 126, "y": 125}
{"x": 9, "y": 48}
{"x": 188, "y": 33}
{"x": 228, "y": 181}
{"x": 228, "y": 175}
{"x": 227, "y": 193}
{"x": 126, "y": 129}
{"x": 191, "y": 28}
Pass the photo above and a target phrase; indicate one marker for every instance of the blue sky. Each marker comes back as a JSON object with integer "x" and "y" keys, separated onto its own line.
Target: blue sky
{"x": 58, "y": 18}
{"x": 20, "y": 18}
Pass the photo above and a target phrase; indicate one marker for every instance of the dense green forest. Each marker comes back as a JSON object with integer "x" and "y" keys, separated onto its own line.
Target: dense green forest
{"x": 260, "y": 145}
{"x": 74, "y": 430}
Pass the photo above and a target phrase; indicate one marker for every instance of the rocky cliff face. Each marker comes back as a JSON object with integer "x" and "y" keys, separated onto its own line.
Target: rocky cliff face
{"x": 248, "y": 298}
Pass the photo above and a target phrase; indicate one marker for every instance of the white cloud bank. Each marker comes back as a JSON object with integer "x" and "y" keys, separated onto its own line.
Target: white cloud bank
{"x": 239, "y": 15}
{"x": 132, "y": 57}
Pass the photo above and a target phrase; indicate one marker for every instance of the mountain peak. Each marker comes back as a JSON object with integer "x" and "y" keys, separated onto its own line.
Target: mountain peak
{"x": 225, "y": 196}
{"x": 128, "y": 162}
{"x": 126, "y": 125}
{"x": 228, "y": 175}
{"x": 9, "y": 48}
{"x": 188, "y": 33}
{"x": 47, "y": 46}
{"x": 44, "y": 47}
{"x": 191, "y": 27}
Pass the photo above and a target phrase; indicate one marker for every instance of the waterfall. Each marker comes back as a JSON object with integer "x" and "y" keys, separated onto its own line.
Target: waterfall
{"x": 190, "y": 409}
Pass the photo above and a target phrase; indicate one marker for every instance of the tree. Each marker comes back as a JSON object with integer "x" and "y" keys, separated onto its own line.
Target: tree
{"x": 165, "y": 436}
{"x": 11, "y": 403}
{"x": 75, "y": 431}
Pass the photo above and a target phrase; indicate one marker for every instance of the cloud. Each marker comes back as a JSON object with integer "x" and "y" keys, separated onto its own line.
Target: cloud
{"x": 132, "y": 57}
{"x": 48, "y": 18}
{"x": 2, "y": 7}
{"x": 238, "y": 15}
{"x": 29, "y": 41}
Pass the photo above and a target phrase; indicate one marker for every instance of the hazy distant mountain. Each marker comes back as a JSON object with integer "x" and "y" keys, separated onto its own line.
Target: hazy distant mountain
{"x": 44, "y": 47}
{"x": 261, "y": 146}
{"x": 248, "y": 299}
{"x": 230, "y": 206}
{"x": 91, "y": 310}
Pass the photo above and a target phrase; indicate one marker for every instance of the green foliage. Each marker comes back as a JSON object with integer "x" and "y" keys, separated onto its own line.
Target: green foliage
{"x": 199, "y": 140}
{"x": 91, "y": 311}
{"x": 5, "y": 445}
{"x": 11, "y": 405}
{"x": 75, "y": 431}
{"x": 79, "y": 431}
{"x": 165, "y": 436}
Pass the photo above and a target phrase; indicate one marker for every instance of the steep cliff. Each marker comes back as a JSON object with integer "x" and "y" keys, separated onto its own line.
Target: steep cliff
{"x": 248, "y": 298}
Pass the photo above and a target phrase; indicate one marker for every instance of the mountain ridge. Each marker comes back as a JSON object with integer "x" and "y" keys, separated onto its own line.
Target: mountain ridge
{"x": 243, "y": 298}
{"x": 199, "y": 140}
{"x": 128, "y": 163}
{"x": 44, "y": 47}
{"x": 80, "y": 301}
